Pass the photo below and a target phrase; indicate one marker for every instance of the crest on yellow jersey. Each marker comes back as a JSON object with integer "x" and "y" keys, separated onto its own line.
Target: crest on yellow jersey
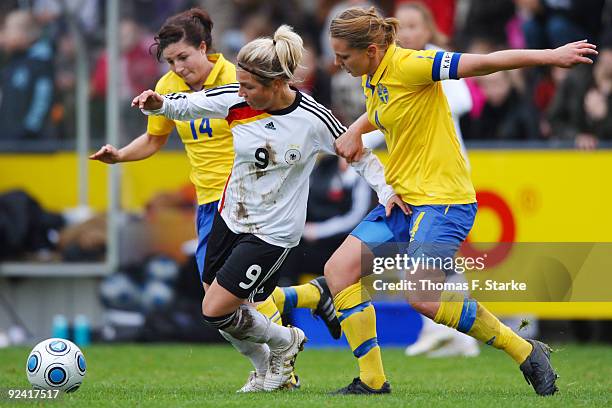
{"x": 383, "y": 93}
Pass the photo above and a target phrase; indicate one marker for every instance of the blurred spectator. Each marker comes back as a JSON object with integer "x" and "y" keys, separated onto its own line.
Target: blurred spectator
{"x": 327, "y": 53}
{"x": 504, "y": 116}
{"x": 51, "y": 13}
{"x": 152, "y": 13}
{"x": 418, "y": 29}
{"x": 486, "y": 19}
{"x": 63, "y": 113}
{"x": 26, "y": 79}
{"x": 251, "y": 19}
{"x": 443, "y": 12}
{"x": 278, "y": 11}
{"x": 139, "y": 71}
{"x": 347, "y": 97}
{"x": 7, "y": 6}
{"x": 139, "y": 68}
{"x": 552, "y": 23}
{"x": 596, "y": 119}
{"x": 314, "y": 80}
{"x": 581, "y": 109}
{"x": 254, "y": 26}
{"x": 561, "y": 118}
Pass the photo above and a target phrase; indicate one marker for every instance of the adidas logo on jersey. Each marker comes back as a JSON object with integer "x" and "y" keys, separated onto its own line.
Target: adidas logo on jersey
{"x": 270, "y": 125}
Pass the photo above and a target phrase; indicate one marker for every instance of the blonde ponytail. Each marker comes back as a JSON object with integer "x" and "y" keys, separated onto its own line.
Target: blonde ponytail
{"x": 273, "y": 58}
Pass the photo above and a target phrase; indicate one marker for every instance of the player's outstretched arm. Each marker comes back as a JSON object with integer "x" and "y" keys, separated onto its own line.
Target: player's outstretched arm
{"x": 140, "y": 148}
{"x": 565, "y": 56}
{"x": 148, "y": 100}
{"x": 189, "y": 106}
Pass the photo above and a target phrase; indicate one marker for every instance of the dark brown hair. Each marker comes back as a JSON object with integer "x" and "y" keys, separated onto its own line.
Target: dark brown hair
{"x": 193, "y": 26}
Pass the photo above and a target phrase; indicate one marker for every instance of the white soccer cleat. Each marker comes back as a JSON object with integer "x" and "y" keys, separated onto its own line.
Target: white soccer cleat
{"x": 460, "y": 346}
{"x": 282, "y": 361}
{"x": 255, "y": 383}
{"x": 428, "y": 341}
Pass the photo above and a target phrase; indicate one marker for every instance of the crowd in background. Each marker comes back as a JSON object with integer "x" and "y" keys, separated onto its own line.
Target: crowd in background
{"x": 38, "y": 53}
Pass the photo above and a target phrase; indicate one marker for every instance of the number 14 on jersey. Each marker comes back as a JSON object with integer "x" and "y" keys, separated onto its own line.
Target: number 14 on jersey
{"x": 203, "y": 129}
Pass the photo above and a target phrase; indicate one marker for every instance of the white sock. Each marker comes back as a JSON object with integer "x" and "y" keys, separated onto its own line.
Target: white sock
{"x": 249, "y": 324}
{"x": 258, "y": 353}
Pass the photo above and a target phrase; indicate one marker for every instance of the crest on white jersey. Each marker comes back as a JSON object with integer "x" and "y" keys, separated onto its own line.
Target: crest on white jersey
{"x": 292, "y": 156}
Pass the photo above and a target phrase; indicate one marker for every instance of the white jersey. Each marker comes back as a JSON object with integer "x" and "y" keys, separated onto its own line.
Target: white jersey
{"x": 275, "y": 152}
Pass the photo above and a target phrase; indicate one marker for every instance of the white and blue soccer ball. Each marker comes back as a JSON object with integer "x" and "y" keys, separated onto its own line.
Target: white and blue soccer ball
{"x": 56, "y": 364}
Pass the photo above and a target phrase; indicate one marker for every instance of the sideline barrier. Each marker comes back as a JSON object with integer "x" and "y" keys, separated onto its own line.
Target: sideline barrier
{"x": 524, "y": 196}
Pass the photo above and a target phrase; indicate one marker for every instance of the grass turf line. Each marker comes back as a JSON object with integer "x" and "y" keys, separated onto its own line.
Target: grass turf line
{"x": 185, "y": 375}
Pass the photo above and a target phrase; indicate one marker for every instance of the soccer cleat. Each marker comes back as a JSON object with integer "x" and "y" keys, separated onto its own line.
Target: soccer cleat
{"x": 282, "y": 361}
{"x": 460, "y": 346}
{"x": 357, "y": 387}
{"x": 254, "y": 383}
{"x": 325, "y": 308}
{"x": 427, "y": 342}
{"x": 538, "y": 371}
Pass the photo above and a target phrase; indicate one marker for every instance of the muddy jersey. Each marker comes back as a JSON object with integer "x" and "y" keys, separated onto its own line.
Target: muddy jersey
{"x": 275, "y": 152}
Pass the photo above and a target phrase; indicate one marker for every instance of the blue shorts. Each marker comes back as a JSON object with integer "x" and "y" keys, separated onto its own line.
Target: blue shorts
{"x": 432, "y": 230}
{"x": 204, "y": 220}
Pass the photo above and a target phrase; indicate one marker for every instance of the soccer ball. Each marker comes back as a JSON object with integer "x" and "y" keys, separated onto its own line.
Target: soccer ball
{"x": 56, "y": 364}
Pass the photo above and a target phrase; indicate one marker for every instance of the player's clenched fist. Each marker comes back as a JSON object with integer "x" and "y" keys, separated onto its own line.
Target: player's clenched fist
{"x": 149, "y": 100}
{"x": 350, "y": 146}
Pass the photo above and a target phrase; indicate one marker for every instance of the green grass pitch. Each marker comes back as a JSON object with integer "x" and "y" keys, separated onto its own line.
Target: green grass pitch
{"x": 185, "y": 375}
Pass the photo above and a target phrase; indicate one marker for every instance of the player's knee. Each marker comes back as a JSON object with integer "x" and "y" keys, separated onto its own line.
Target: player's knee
{"x": 332, "y": 276}
{"x": 340, "y": 274}
{"x": 204, "y": 307}
{"x": 425, "y": 308}
{"x": 208, "y": 308}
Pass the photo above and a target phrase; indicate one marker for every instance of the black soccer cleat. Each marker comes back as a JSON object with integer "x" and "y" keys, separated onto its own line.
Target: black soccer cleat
{"x": 357, "y": 387}
{"x": 538, "y": 371}
{"x": 325, "y": 308}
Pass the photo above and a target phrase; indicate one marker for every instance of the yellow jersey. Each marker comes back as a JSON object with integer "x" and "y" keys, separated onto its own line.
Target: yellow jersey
{"x": 405, "y": 100}
{"x": 208, "y": 142}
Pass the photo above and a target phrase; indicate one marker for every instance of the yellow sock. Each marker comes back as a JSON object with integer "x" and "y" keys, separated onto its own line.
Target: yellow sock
{"x": 268, "y": 308}
{"x": 490, "y": 330}
{"x": 358, "y": 320}
{"x": 470, "y": 317}
{"x": 306, "y": 296}
{"x": 278, "y": 297}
